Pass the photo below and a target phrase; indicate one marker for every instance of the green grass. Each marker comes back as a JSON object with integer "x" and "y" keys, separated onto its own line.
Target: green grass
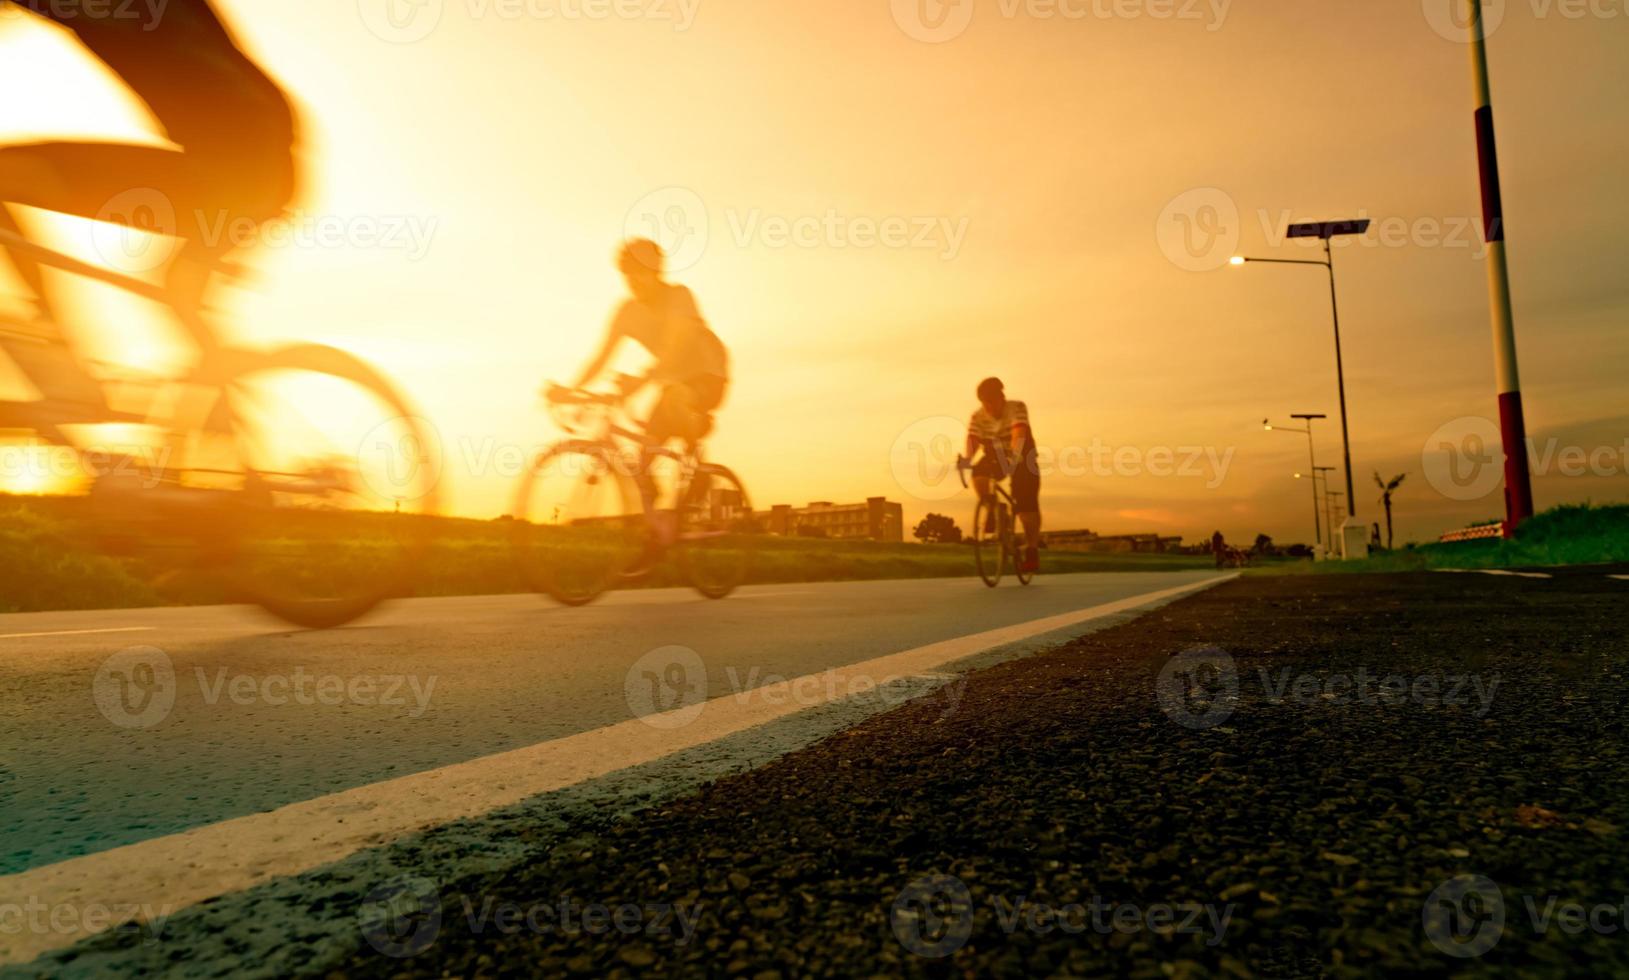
{"x": 1571, "y": 535}
{"x": 51, "y": 559}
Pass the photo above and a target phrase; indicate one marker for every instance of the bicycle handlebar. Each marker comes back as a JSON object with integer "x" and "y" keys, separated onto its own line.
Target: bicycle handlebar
{"x": 963, "y": 466}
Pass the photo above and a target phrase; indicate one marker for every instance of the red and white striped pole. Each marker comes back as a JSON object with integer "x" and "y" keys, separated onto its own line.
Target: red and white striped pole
{"x": 1512, "y": 425}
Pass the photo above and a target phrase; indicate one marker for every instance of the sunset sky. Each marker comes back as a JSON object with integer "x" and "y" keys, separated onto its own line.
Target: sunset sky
{"x": 874, "y": 222}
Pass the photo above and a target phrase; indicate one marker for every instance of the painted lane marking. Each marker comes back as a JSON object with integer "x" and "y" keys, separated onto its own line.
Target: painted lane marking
{"x": 181, "y": 870}
{"x": 118, "y": 629}
{"x": 1493, "y": 571}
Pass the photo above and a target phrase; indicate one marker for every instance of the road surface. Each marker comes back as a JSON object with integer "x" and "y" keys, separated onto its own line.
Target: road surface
{"x": 214, "y": 727}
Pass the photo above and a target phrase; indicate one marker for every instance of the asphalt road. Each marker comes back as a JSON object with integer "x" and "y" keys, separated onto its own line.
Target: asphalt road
{"x": 127, "y": 725}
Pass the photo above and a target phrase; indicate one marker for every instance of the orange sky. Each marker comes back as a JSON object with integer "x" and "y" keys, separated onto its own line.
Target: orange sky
{"x": 874, "y": 222}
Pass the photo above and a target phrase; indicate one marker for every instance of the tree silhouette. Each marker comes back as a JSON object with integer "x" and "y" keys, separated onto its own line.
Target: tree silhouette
{"x": 938, "y": 529}
{"x": 1264, "y": 545}
{"x": 1386, "y": 490}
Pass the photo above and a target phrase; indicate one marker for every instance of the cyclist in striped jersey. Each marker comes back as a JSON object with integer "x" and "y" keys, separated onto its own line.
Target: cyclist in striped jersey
{"x": 1000, "y": 437}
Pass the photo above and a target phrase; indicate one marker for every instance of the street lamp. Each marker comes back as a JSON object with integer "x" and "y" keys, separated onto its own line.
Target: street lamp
{"x": 1312, "y": 452}
{"x": 1326, "y": 231}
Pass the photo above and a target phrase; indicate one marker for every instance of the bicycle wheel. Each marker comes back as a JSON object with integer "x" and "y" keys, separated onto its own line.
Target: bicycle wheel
{"x": 989, "y": 549}
{"x": 579, "y": 522}
{"x": 717, "y": 532}
{"x": 331, "y": 479}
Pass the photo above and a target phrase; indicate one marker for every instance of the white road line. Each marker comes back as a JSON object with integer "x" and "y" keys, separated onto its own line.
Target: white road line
{"x": 118, "y": 629}
{"x": 184, "y": 869}
{"x": 1495, "y": 571}
{"x": 1620, "y": 578}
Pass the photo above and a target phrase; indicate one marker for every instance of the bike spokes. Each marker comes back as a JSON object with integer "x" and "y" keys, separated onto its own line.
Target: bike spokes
{"x": 332, "y": 475}
{"x": 717, "y": 532}
{"x": 989, "y": 547}
{"x": 579, "y": 523}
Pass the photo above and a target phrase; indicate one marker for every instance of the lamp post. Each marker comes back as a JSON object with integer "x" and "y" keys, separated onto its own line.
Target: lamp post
{"x": 1312, "y": 452}
{"x": 1326, "y": 231}
{"x": 1322, "y": 473}
{"x": 1512, "y": 422}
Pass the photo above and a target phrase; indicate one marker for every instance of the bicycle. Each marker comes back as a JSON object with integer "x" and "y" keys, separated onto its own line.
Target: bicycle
{"x": 581, "y": 519}
{"x": 290, "y": 509}
{"x": 995, "y": 542}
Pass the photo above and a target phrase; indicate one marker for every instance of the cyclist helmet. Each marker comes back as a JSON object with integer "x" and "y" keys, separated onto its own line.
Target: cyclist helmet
{"x": 641, "y": 255}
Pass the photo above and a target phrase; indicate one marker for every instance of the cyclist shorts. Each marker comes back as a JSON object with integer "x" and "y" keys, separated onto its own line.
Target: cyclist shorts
{"x": 1025, "y": 472}
{"x": 685, "y": 409}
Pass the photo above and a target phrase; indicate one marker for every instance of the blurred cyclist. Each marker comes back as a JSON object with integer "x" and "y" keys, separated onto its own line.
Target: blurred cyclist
{"x": 691, "y": 364}
{"x": 1000, "y": 431}
{"x": 232, "y": 135}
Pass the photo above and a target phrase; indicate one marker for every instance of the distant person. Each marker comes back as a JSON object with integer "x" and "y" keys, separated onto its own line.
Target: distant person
{"x": 1000, "y": 438}
{"x": 230, "y": 155}
{"x": 1218, "y": 547}
{"x": 691, "y": 366}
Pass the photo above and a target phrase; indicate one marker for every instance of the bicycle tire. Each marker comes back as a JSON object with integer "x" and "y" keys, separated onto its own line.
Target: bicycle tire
{"x": 718, "y": 566}
{"x": 575, "y": 573}
{"x": 989, "y": 551}
{"x": 386, "y": 579}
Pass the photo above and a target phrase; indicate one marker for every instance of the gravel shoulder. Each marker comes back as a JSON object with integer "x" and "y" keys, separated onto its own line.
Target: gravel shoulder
{"x": 1284, "y": 776}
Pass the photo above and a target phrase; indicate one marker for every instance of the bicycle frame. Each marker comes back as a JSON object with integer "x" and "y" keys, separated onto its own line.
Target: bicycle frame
{"x": 200, "y": 386}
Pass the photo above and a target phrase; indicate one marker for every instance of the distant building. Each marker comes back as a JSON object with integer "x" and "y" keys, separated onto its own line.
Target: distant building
{"x": 874, "y": 520}
{"x": 1113, "y": 544}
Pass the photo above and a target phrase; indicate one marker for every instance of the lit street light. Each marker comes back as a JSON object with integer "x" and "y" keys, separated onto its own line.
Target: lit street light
{"x": 1312, "y": 452}
{"x": 1326, "y": 231}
